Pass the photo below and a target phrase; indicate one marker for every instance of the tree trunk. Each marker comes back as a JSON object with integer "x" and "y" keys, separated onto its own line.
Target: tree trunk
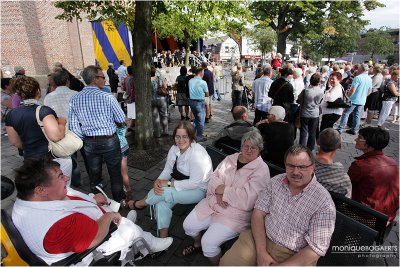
{"x": 187, "y": 47}
{"x": 281, "y": 45}
{"x": 141, "y": 65}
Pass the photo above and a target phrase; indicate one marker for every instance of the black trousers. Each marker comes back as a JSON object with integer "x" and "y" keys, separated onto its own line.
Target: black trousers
{"x": 259, "y": 115}
{"x": 328, "y": 120}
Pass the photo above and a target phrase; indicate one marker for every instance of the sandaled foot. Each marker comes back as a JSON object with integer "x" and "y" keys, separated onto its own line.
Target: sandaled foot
{"x": 189, "y": 250}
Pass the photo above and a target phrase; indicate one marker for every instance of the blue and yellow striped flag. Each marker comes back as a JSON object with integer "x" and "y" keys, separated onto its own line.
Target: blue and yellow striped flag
{"x": 111, "y": 44}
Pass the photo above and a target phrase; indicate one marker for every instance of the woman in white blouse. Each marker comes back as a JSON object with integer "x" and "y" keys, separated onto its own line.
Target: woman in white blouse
{"x": 331, "y": 115}
{"x": 184, "y": 179}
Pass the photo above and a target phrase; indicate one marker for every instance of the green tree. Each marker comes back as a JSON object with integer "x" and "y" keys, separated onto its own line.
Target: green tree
{"x": 191, "y": 20}
{"x": 295, "y": 19}
{"x": 262, "y": 38}
{"x": 377, "y": 43}
{"x": 138, "y": 17}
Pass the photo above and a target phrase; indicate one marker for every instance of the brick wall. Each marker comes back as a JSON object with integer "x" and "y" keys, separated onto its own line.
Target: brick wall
{"x": 31, "y": 37}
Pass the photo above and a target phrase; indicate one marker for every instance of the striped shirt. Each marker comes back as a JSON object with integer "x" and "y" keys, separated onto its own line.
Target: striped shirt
{"x": 333, "y": 177}
{"x": 306, "y": 219}
{"x": 94, "y": 113}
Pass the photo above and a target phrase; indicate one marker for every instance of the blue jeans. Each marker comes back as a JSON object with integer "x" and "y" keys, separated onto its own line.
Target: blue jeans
{"x": 108, "y": 149}
{"x": 171, "y": 197}
{"x": 356, "y": 118}
{"x": 199, "y": 113}
{"x": 159, "y": 111}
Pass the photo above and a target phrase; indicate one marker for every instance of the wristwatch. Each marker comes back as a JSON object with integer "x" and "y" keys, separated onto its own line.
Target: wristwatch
{"x": 169, "y": 183}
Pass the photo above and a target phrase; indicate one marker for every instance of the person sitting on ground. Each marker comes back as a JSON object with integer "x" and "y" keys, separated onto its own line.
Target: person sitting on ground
{"x": 374, "y": 175}
{"x": 232, "y": 134}
{"x": 278, "y": 136}
{"x": 184, "y": 178}
{"x": 293, "y": 219}
{"x": 331, "y": 174}
{"x": 74, "y": 222}
{"x": 232, "y": 192}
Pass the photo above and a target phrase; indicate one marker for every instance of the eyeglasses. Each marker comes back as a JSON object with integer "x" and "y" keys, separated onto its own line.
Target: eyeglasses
{"x": 291, "y": 167}
{"x": 184, "y": 137}
{"x": 252, "y": 148}
{"x": 98, "y": 76}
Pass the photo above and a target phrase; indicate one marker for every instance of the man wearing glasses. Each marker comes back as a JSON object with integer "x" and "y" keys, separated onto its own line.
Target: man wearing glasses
{"x": 293, "y": 220}
{"x": 93, "y": 115}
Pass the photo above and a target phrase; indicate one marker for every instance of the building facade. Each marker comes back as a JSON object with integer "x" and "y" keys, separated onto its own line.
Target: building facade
{"x": 31, "y": 37}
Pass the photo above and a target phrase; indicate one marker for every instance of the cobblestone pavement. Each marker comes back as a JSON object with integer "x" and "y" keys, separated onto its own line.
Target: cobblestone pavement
{"x": 142, "y": 182}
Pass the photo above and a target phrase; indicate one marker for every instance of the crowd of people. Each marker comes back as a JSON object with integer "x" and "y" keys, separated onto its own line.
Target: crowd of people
{"x": 285, "y": 219}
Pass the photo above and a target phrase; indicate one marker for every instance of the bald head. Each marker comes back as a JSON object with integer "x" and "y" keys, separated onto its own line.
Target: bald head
{"x": 239, "y": 113}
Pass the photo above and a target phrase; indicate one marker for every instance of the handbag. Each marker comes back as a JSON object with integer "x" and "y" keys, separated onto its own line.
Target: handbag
{"x": 297, "y": 120}
{"x": 66, "y": 146}
{"x": 162, "y": 90}
{"x": 343, "y": 102}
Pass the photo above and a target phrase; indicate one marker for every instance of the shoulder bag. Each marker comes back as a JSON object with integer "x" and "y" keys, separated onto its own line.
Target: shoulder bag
{"x": 162, "y": 90}
{"x": 66, "y": 146}
{"x": 341, "y": 102}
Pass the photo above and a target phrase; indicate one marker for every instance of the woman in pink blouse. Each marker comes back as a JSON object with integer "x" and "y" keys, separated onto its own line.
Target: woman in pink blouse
{"x": 231, "y": 195}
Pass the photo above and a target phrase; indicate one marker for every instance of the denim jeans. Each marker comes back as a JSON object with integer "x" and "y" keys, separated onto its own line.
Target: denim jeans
{"x": 308, "y": 131}
{"x": 160, "y": 116}
{"x": 171, "y": 197}
{"x": 238, "y": 95}
{"x": 109, "y": 150}
{"x": 199, "y": 113}
{"x": 356, "y": 118}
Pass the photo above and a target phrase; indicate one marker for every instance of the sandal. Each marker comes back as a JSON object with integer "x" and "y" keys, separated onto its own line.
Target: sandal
{"x": 189, "y": 250}
{"x": 126, "y": 205}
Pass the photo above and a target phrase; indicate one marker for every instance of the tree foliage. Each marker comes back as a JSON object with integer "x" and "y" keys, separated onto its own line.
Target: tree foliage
{"x": 262, "y": 38}
{"x": 191, "y": 20}
{"x": 377, "y": 43}
{"x": 120, "y": 11}
{"x": 296, "y": 19}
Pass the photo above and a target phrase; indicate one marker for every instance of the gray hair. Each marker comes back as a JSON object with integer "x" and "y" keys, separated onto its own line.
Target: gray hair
{"x": 60, "y": 77}
{"x": 297, "y": 149}
{"x": 267, "y": 71}
{"x": 364, "y": 67}
{"x": 255, "y": 138}
{"x": 329, "y": 140}
{"x": 89, "y": 73}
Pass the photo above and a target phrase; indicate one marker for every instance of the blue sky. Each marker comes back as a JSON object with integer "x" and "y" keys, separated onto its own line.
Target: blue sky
{"x": 388, "y": 16}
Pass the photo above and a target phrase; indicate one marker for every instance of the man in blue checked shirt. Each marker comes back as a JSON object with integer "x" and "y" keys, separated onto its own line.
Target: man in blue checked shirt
{"x": 93, "y": 115}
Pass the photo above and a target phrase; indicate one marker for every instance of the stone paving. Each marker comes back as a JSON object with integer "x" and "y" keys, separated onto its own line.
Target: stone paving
{"x": 142, "y": 182}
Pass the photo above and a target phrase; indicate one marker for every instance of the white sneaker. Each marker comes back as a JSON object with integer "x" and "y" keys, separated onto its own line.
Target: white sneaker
{"x": 160, "y": 244}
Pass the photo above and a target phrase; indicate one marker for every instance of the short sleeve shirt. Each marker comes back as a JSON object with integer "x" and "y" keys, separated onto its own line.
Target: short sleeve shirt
{"x": 197, "y": 88}
{"x": 306, "y": 219}
{"x": 23, "y": 120}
